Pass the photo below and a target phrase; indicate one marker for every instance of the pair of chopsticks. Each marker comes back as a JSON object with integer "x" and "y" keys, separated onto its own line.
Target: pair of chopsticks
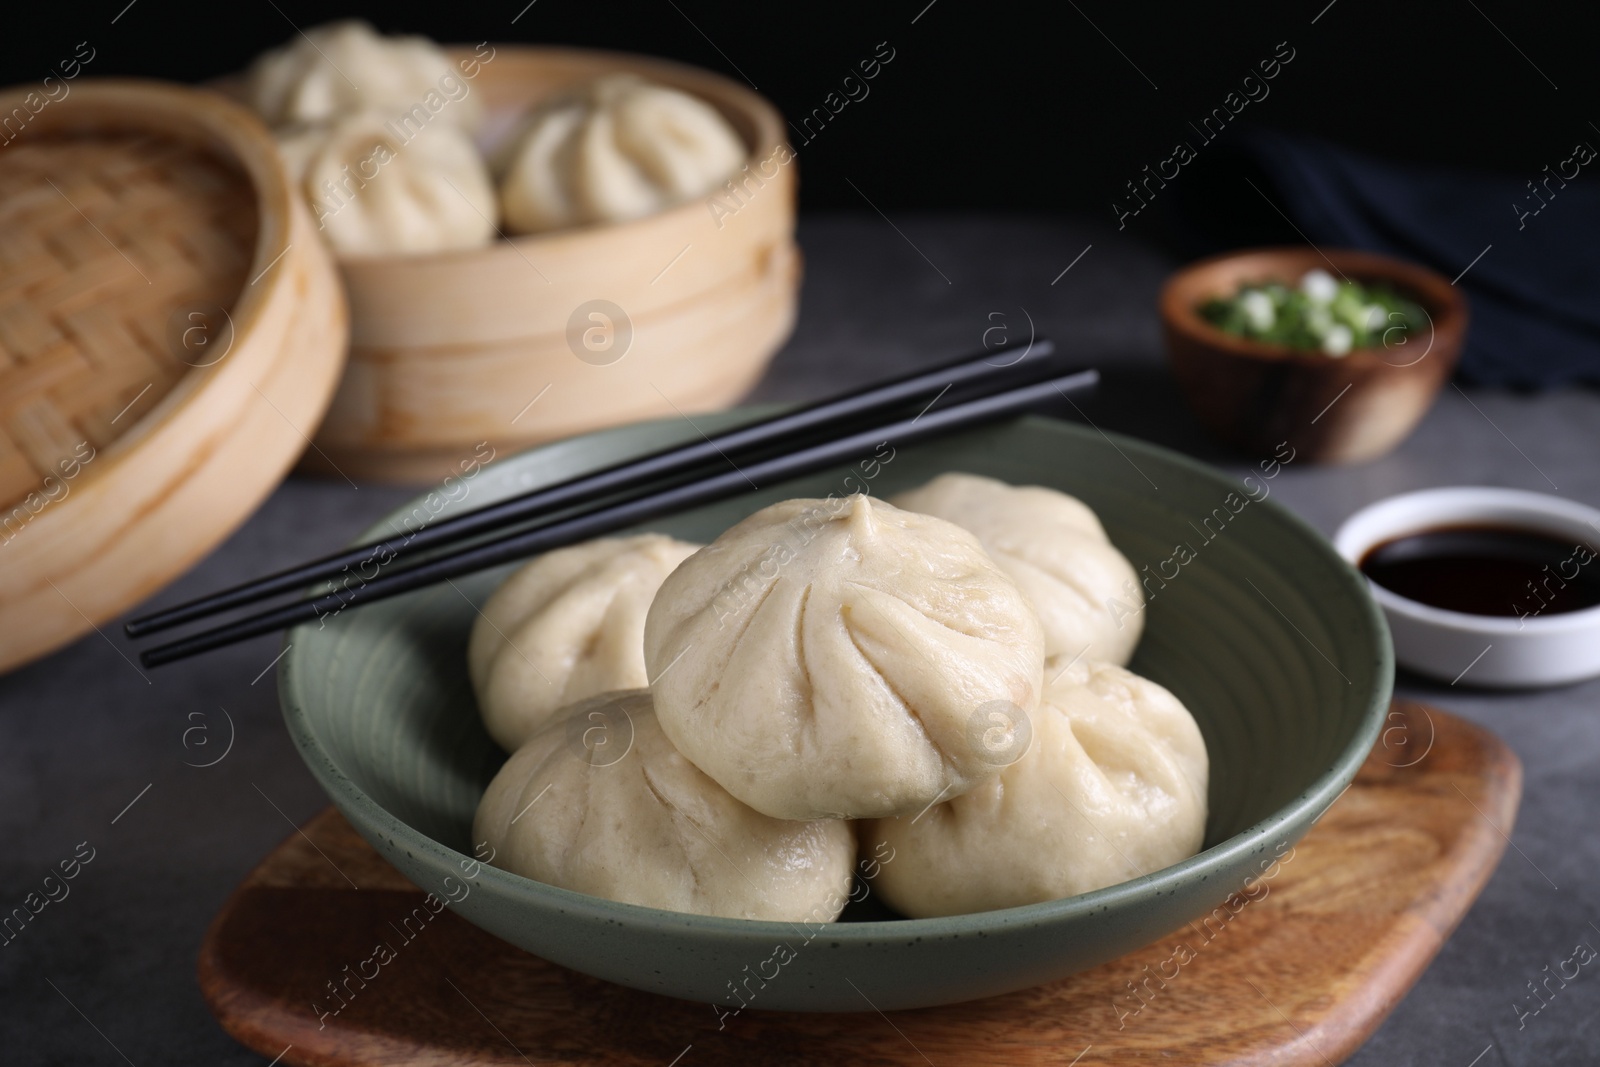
{"x": 996, "y": 384}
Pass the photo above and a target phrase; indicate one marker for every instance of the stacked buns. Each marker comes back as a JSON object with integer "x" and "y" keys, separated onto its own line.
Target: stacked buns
{"x": 381, "y": 135}
{"x": 714, "y": 729}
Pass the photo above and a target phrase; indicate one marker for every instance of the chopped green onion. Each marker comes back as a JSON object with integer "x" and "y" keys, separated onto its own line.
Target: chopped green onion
{"x": 1321, "y": 313}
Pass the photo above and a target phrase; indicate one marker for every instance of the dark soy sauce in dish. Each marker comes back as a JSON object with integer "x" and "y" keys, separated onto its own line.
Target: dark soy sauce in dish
{"x": 1488, "y": 570}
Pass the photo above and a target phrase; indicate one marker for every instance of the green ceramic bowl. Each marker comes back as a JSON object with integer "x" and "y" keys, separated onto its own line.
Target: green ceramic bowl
{"x": 1265, "y": 633}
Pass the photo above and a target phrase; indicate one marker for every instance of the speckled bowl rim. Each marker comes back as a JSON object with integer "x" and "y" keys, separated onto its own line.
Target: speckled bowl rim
{"x": 369, "y": 817}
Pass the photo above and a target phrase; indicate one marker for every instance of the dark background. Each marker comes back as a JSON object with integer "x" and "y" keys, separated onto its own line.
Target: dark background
{"x": 1025, "y": 107}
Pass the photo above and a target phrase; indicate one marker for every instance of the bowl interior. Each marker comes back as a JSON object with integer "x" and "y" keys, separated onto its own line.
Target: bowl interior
{"x": 1267, "y": 636}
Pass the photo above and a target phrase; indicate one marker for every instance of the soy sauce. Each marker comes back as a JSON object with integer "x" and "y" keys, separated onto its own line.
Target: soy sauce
{"x": 1488, "y": 570}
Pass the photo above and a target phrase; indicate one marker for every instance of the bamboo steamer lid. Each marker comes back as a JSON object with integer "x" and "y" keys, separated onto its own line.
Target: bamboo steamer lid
{"x": 171, "y": 330}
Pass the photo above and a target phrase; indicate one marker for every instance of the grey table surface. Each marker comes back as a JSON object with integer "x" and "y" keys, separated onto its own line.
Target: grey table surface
{"x": 92, "y": 750}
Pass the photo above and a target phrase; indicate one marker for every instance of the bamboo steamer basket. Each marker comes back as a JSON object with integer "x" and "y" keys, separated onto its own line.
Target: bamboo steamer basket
{"x": 171, "y": 330}
{"x": 450, "y": 350}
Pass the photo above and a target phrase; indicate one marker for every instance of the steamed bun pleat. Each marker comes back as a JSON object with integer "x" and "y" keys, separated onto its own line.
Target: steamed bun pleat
{"x": 339, "y": 68}
{"x": 566, "y": 626}
{"x": 828, "y": 658}
{"x": 1055, "y": 549}
{"x": 1113, "y": 787}
{"x": 642, "y": 825}
{"x": 612, "y": 149}
{"x": 373, "y": 191}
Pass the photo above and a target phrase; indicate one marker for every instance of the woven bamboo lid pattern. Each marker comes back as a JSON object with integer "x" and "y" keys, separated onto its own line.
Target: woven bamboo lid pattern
{"x": 171, "y": 330}
{"x": 115, "y": 253}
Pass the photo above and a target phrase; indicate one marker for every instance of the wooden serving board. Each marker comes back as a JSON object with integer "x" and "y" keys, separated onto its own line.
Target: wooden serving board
{"x": 1301, "y": 975}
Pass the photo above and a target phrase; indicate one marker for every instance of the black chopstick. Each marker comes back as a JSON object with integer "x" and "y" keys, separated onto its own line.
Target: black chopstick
{"x": 784, "y": 430}
{"x": 608, "y": 519}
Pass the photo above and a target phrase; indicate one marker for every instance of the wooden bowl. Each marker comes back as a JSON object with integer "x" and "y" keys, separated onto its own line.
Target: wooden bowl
{"x": 1344, "y": 409}
{"x": 171, "y": 329}
{"x": 449, "y": 350}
